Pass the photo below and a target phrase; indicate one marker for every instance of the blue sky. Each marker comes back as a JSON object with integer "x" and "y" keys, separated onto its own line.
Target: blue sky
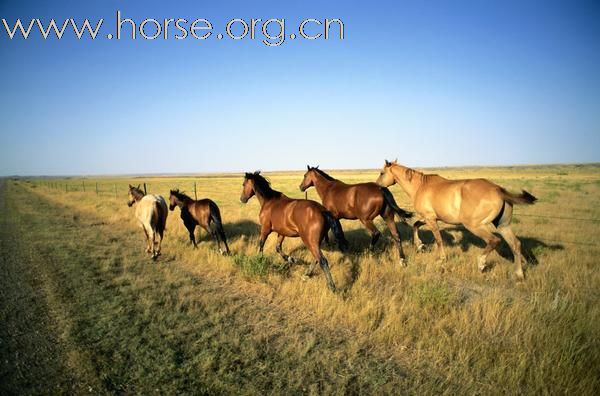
{"x": 432, "y": 83}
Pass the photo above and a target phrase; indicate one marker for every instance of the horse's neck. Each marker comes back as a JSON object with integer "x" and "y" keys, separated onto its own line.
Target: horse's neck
{"x": 322, "y": 185}
{"x": 412, "y": 185}
{"x": 264, "y": 201}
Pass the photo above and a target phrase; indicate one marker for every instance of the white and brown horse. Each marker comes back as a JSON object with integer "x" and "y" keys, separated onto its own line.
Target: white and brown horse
{"x": 480, "y": 205}
{"x": 151, "y": 211}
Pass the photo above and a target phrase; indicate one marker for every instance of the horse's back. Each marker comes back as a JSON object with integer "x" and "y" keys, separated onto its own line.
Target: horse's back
{"x": 290, "y": 217}
{"x": 153, "y": 210}
{"x": 355, "y": 201}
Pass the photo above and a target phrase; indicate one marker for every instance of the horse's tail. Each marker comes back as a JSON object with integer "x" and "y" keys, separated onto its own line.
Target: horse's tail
{"x": 389, "y": 200}
{"x": 162, "y": 212}
{"x": 215, "y": 217}
{"x": 336, "y": 227}
{"x": 523, "y": 198}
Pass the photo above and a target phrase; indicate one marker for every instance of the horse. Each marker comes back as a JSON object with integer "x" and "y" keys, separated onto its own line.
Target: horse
{"x": 151, "y": 212}
{"x": 291, "y": 218}
{"x": 478, "y": 204}
{"x": 362, "y": 201}
{"x": 203, "y": 212}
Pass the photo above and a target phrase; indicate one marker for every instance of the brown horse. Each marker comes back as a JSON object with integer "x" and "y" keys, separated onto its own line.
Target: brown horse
{"x": 289, "y": 217}
{"x": 478, "y": 204}
{"x": 203, "y": 212}
{"x": 151, "y": 212}
{"x": 363, "y": 201}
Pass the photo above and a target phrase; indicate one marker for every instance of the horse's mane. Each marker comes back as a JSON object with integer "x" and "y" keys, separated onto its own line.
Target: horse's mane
{"x": 410, "y": 173}
{"x": 322, "y": 173}
{"x": 262, "y": 186}
{"x": 180, "y": 195}
{"x": 136, "y": 192}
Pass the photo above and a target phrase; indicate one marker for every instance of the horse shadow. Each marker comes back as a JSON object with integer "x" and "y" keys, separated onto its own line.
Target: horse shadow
{"x": 241, "y": 228}
{"x": 530, "y": 247}
{"x": 359, "y": 239}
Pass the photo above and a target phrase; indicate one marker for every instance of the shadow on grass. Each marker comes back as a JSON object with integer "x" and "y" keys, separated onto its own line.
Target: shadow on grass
{"x": 241, "y": 228}
{"x": 530, "y": 247}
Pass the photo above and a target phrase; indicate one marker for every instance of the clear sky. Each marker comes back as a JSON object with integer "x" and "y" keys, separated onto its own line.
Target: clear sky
{"x": 432, "y": 83}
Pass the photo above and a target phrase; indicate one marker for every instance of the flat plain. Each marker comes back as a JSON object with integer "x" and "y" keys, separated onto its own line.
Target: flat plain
{"x": 84, "y": 309}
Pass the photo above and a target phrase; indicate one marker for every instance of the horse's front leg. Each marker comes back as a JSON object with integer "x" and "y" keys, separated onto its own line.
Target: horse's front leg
{"x": 279, "y": 249}
{"x": 416, "y": 240}
{"x": 265, "y": 230}
{"x": 432, "y": 223}
{"x": 148, "y": 247}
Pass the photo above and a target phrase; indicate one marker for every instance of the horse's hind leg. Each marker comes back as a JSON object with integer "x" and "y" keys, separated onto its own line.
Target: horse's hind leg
{"x": 490, "y": 239}
{"x": 152, "y": 239}
{"x": 515, "y": 245}
{"x": 396, "y": 235}
{"x": 416, "y": 240}
{"x": 313, "y": 246}
{"x": 279, "y": 249}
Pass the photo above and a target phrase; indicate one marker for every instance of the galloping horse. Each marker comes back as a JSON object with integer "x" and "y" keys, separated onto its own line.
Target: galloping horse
{"x": 151, "y": 212}
{"x": 289, "y": 217}
{"x": 363, "y": 201}
{"x": 476, "y": 203}
{"x": 203, "y": 212}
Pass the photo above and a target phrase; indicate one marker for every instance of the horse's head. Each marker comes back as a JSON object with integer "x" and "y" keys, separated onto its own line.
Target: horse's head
{"x": 248, "y": 186}
{"x": 309, "y": 178}
{"x": 133, "y": 195}
{"x": 386, "y": 178}
{"x": 173, "y": 199}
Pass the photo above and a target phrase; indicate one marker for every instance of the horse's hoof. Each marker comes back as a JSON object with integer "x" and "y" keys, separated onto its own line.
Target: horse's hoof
{"x": 481, "y": 264}
{"x": 520, "y": 275}
{"x": 403, "y": 262}
{"x": 305, "y": 277}
{"x": 421, "y": 248}
{"x": 291, "y": 260}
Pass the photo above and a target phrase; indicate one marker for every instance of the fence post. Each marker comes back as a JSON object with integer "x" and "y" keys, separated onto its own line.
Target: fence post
{"x": 115, "y": 191}
{"x": 195, "y": 193}
{"x": 83, "y": 184}
{"x": 66, "y": 187}
{"x": 145, "y": 192}
{"x": 96, "y": 188}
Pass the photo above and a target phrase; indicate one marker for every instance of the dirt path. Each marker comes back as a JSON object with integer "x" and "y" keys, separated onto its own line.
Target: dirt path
{"x": 31, "y": 355}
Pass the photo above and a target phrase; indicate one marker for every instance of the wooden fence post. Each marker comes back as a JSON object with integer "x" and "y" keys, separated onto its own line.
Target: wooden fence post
{"x": 115, "y": 191}
{"x": 96, "y": 188}
{"x": 66, "y": 187}
{"x": 83, "y": 184}
{"x": 195, "y": 192}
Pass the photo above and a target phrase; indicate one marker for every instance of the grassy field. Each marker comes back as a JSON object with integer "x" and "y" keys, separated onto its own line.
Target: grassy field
{"x": 85, "y": 310}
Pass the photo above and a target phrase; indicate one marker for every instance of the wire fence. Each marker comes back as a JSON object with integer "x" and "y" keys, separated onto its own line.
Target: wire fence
{"x": 190, "y": 187}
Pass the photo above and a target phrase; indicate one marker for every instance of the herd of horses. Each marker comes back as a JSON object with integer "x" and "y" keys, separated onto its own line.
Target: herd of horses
{"x": 481, "y": 206}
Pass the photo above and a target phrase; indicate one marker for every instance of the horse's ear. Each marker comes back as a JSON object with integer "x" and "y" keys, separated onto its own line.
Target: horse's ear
{"x": 396, "y": 161}
{"x": 308, "y": 167}
{"x": 387, "y": 163}
{"x": 130, "y": 186}
{"x": 138, "y": 187}
{"x": 317, "y": 167}
{"x": 257, "y": 172}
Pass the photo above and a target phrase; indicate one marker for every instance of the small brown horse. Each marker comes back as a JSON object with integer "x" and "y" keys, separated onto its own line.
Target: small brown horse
{"x": 203, "y": 212}
{"x": 476, "y": 203}
{"x": 151, "y": 212}
{"x": 362, "y": 201}
{"x": 289, "y": 217}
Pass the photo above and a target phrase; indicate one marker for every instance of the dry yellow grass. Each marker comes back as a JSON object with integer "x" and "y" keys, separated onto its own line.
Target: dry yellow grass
{"x": 421, "y": 329}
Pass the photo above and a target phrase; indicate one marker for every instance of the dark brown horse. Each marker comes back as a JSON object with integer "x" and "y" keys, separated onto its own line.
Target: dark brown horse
{"x": 289, "y": 217}
{"x": 203, "y": 212}
{"x": 362, "y": 201}
{"x": 480, "y": 205}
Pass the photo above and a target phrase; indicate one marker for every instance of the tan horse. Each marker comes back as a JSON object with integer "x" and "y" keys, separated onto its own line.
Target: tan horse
{"x": 478, "y": 204}
{"x": 151, "y": 211}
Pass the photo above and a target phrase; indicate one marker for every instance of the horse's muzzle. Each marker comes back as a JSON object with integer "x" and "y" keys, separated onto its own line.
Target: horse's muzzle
{"x": 171, "y": 207}
{"x": 243, "y": 199}
{"x": 129, "y": 203}
{"x": 302, "y": 188}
